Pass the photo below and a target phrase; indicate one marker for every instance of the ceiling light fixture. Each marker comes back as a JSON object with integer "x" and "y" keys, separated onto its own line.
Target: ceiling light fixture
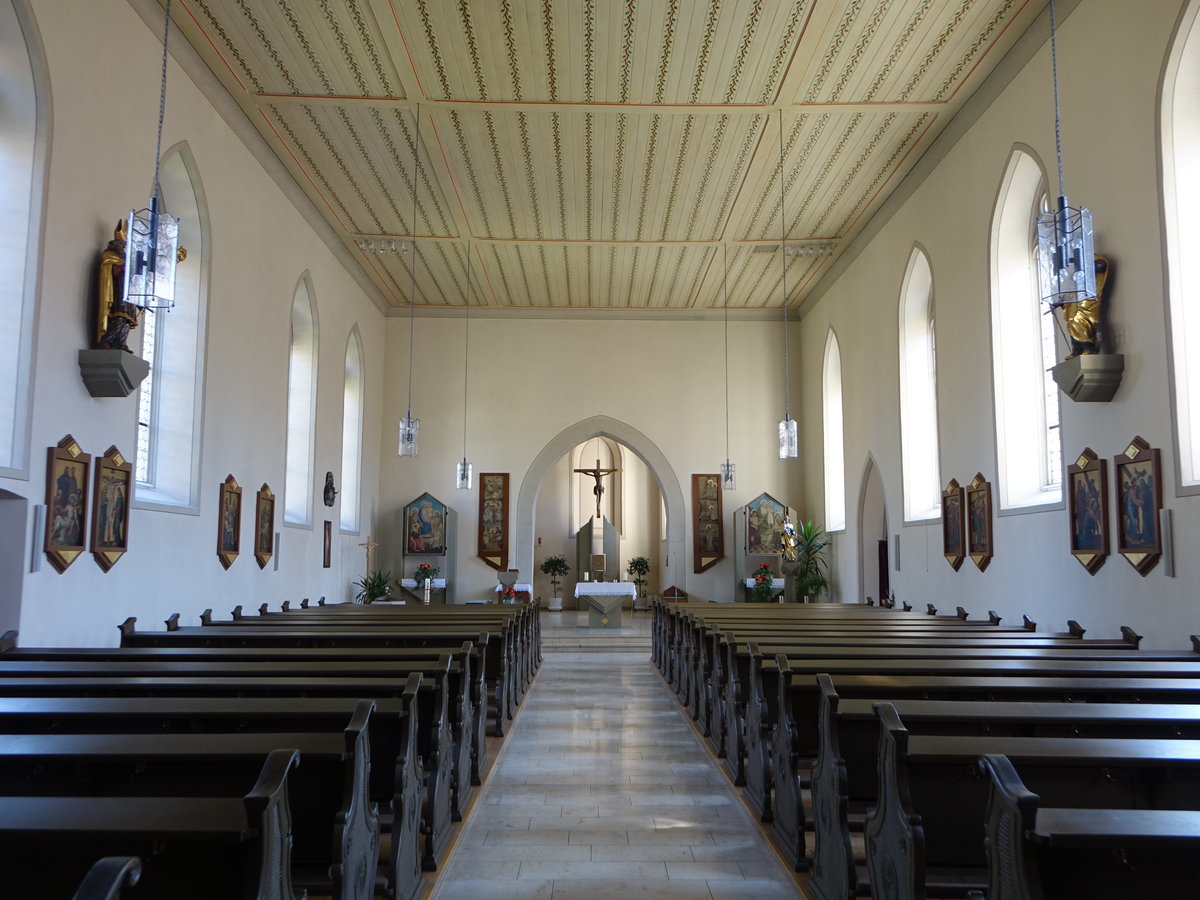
{"x": 368, "y": 245}
{"x": 789, "y": 442}
{"x": 410, "y": 427}
{"x": 1066, "y": 252}
{"x": 152, "y": 237}
{"x": 463, "y": 473}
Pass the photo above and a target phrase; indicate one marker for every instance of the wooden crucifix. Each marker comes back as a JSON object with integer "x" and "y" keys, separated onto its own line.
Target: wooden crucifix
{"x": 598, "y": 490}
{"x": 369, "y": 545}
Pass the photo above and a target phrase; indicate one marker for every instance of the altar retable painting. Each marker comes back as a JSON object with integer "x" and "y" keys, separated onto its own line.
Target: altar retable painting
{"x": 425, "y": 527}
{"x": 764, "y": 525}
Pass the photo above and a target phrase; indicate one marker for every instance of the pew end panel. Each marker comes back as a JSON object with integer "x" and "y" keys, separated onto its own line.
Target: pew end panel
{"x": 108, "y": 877}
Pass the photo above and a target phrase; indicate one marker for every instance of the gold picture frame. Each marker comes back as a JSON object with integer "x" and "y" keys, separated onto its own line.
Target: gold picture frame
{"x": 67, "y": 471}
{"x": 1087, "y": 498}
{"x": 1138, "y": 496}
{"x": 954, "y": 539}
{"x": 978, "y": 507}
{"x": 110, "y": 508}
{"x": 229, "y": 522}
{"x": 264, "y": 526}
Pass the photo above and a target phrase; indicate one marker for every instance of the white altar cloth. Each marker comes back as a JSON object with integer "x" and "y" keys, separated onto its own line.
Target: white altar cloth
{"x": 434, "y": 583}
{"x": 776, "y": 583}
{"x": 527, "y": 588}
{"x": 605, "y": 589}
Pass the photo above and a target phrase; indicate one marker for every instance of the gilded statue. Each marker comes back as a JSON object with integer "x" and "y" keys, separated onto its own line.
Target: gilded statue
{"x": 114, "y": 317}
{"x": 1082, "y": 319}
{"x": 789, "y": 540}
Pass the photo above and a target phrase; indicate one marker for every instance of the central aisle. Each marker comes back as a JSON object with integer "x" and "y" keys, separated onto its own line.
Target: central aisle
{"x": 603, "y": 790}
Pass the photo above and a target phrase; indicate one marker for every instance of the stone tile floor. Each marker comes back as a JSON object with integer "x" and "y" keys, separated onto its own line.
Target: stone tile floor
{"x": 603, "y": 790}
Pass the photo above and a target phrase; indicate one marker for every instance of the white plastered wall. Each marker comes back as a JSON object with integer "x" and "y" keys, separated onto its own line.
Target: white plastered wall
{"x": 100, "y": 165}
{"x": 1111, "y": 57}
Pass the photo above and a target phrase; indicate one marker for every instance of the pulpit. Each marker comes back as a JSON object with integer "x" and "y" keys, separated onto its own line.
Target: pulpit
{"x": 603, "y": 600}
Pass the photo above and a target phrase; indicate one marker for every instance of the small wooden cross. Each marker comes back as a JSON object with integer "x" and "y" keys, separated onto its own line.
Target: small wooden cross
{"x": 369, "y": 545}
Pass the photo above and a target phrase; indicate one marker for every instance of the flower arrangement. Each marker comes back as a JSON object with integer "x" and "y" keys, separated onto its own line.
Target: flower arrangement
{"x": 425, "y": 572}
{"x": 508, "y": 595}
{"x": 764, "y": 589}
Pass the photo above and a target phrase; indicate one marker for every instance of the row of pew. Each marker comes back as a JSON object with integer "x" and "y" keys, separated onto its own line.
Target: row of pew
{"x": 906, "y": 755}
{"x": 318, "y": 750}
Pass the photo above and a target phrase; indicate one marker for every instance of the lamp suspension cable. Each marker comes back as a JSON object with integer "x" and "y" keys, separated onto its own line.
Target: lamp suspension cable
{"x": 788, "y": 437}
{"x": 1057, "y": 106}
{"x": 464, "y": 469}
{"x": 728, "y": 472}
{"x": 410, "y": 427}
{"x": 162, "y": 100}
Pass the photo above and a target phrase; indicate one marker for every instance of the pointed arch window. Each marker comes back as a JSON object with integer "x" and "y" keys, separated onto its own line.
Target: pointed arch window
{"x": 1028, "y": 440}
{"x": 301, "y": 407}
{"x": 24, "y": 117}
{"x": 170, "y": 398}
{"x": 918, "y": 392}
{"x": 1180, "y": 123}
{"x": 352, "y": 426}
{"x": 835, "y": 451}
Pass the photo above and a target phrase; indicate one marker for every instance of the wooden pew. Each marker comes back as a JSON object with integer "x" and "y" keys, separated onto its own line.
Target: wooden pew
{"x": 432, "y": 734}
{"x": 108, "y": 877}
{"x": 468, "y": 745}
{"x": 193, "y": 848}
{"x": 335, "y": 828}
{"x": 1103, "y": 854}
{"x": 242, "y": 635}
{"x": 844, "y": 777}
{"x": 395, "y": 769}
{"x": 925, "y": 835}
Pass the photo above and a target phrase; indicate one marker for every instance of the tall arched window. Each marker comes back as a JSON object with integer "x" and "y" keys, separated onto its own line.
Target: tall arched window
{"x": 352, "y": 426}
{"x": 302, "y": 407}
{"x": 835, "y": 462}
{"x": 170, "y": 398}
{"x": 918, "y": 392}
{"x": 24, "y": 132}
{"x": 1180, "y": 120}
{"x": 1028, "y": 442}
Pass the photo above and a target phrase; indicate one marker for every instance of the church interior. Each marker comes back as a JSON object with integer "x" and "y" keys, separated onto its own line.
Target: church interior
{"x": 554, "y": 239}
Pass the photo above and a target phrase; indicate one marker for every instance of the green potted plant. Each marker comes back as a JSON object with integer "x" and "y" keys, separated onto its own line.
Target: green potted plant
{"x": 556, "y": 567}
{"x": 639, "y": 568}
{"x": 375, "y": 586}
{"x": 812, "y": 576}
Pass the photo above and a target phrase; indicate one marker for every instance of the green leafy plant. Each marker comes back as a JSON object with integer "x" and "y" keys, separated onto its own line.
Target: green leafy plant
{"x": 556, "y": 567}
{"x": 639, "y": 568}
{"x": 377, "y": 584}
{"x": 812, "y": 577}
{"x": 425, "y": 572}
{"x": 764, "y": 588}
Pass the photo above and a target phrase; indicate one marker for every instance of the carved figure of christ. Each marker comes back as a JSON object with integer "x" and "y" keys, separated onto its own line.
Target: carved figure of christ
{"x": 598, "y": 490}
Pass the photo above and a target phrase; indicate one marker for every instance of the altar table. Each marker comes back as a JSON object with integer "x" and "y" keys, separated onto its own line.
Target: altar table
{"x": 604, "y": 600}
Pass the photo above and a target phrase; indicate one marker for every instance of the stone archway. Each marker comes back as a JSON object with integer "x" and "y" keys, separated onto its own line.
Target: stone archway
{"x": 645, "y": 449}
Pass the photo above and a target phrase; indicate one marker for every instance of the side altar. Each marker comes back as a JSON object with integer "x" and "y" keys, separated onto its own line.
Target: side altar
{"x": 603, "y": 600}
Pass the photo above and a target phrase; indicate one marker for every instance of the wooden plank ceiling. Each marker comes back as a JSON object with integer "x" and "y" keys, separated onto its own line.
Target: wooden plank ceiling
{"x": 600, "y": 153}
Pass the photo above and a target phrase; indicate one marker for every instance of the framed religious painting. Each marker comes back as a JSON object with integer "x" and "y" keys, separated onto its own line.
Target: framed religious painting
{"x": 1138, "y": 499}
{"x": 327, "y": 546}
{"x": 954, "y": 545}
{"x": 229, "y": 522}
{"x": 67, "y": 472}
{"x": 425, "y": 527}
{"x": 764, "y": 526}
{"x": 1087, "y": 497}
{"x": 110, "y": 508}
{"x": 264, "y": 526}
{"x": 493, "y": 519}
{"x": 708, "y": 533}
{"x": 979, "y": 521}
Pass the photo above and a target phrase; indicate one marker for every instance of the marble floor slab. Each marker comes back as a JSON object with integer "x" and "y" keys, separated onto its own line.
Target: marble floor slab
{"x": 603, "y": 790}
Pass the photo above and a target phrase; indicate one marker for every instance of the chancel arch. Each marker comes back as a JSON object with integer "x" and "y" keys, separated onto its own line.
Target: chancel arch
{"x": 634, "y": 441}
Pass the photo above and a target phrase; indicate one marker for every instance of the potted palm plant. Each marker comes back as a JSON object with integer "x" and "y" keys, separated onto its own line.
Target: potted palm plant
{"x": 812, "y": 577}
{"x": 374, "y": 586}
{"x": 556, "y": 567}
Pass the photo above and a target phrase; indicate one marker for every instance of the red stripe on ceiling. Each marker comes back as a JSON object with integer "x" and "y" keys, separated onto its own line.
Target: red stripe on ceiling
{"x": 215, "y": 48}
